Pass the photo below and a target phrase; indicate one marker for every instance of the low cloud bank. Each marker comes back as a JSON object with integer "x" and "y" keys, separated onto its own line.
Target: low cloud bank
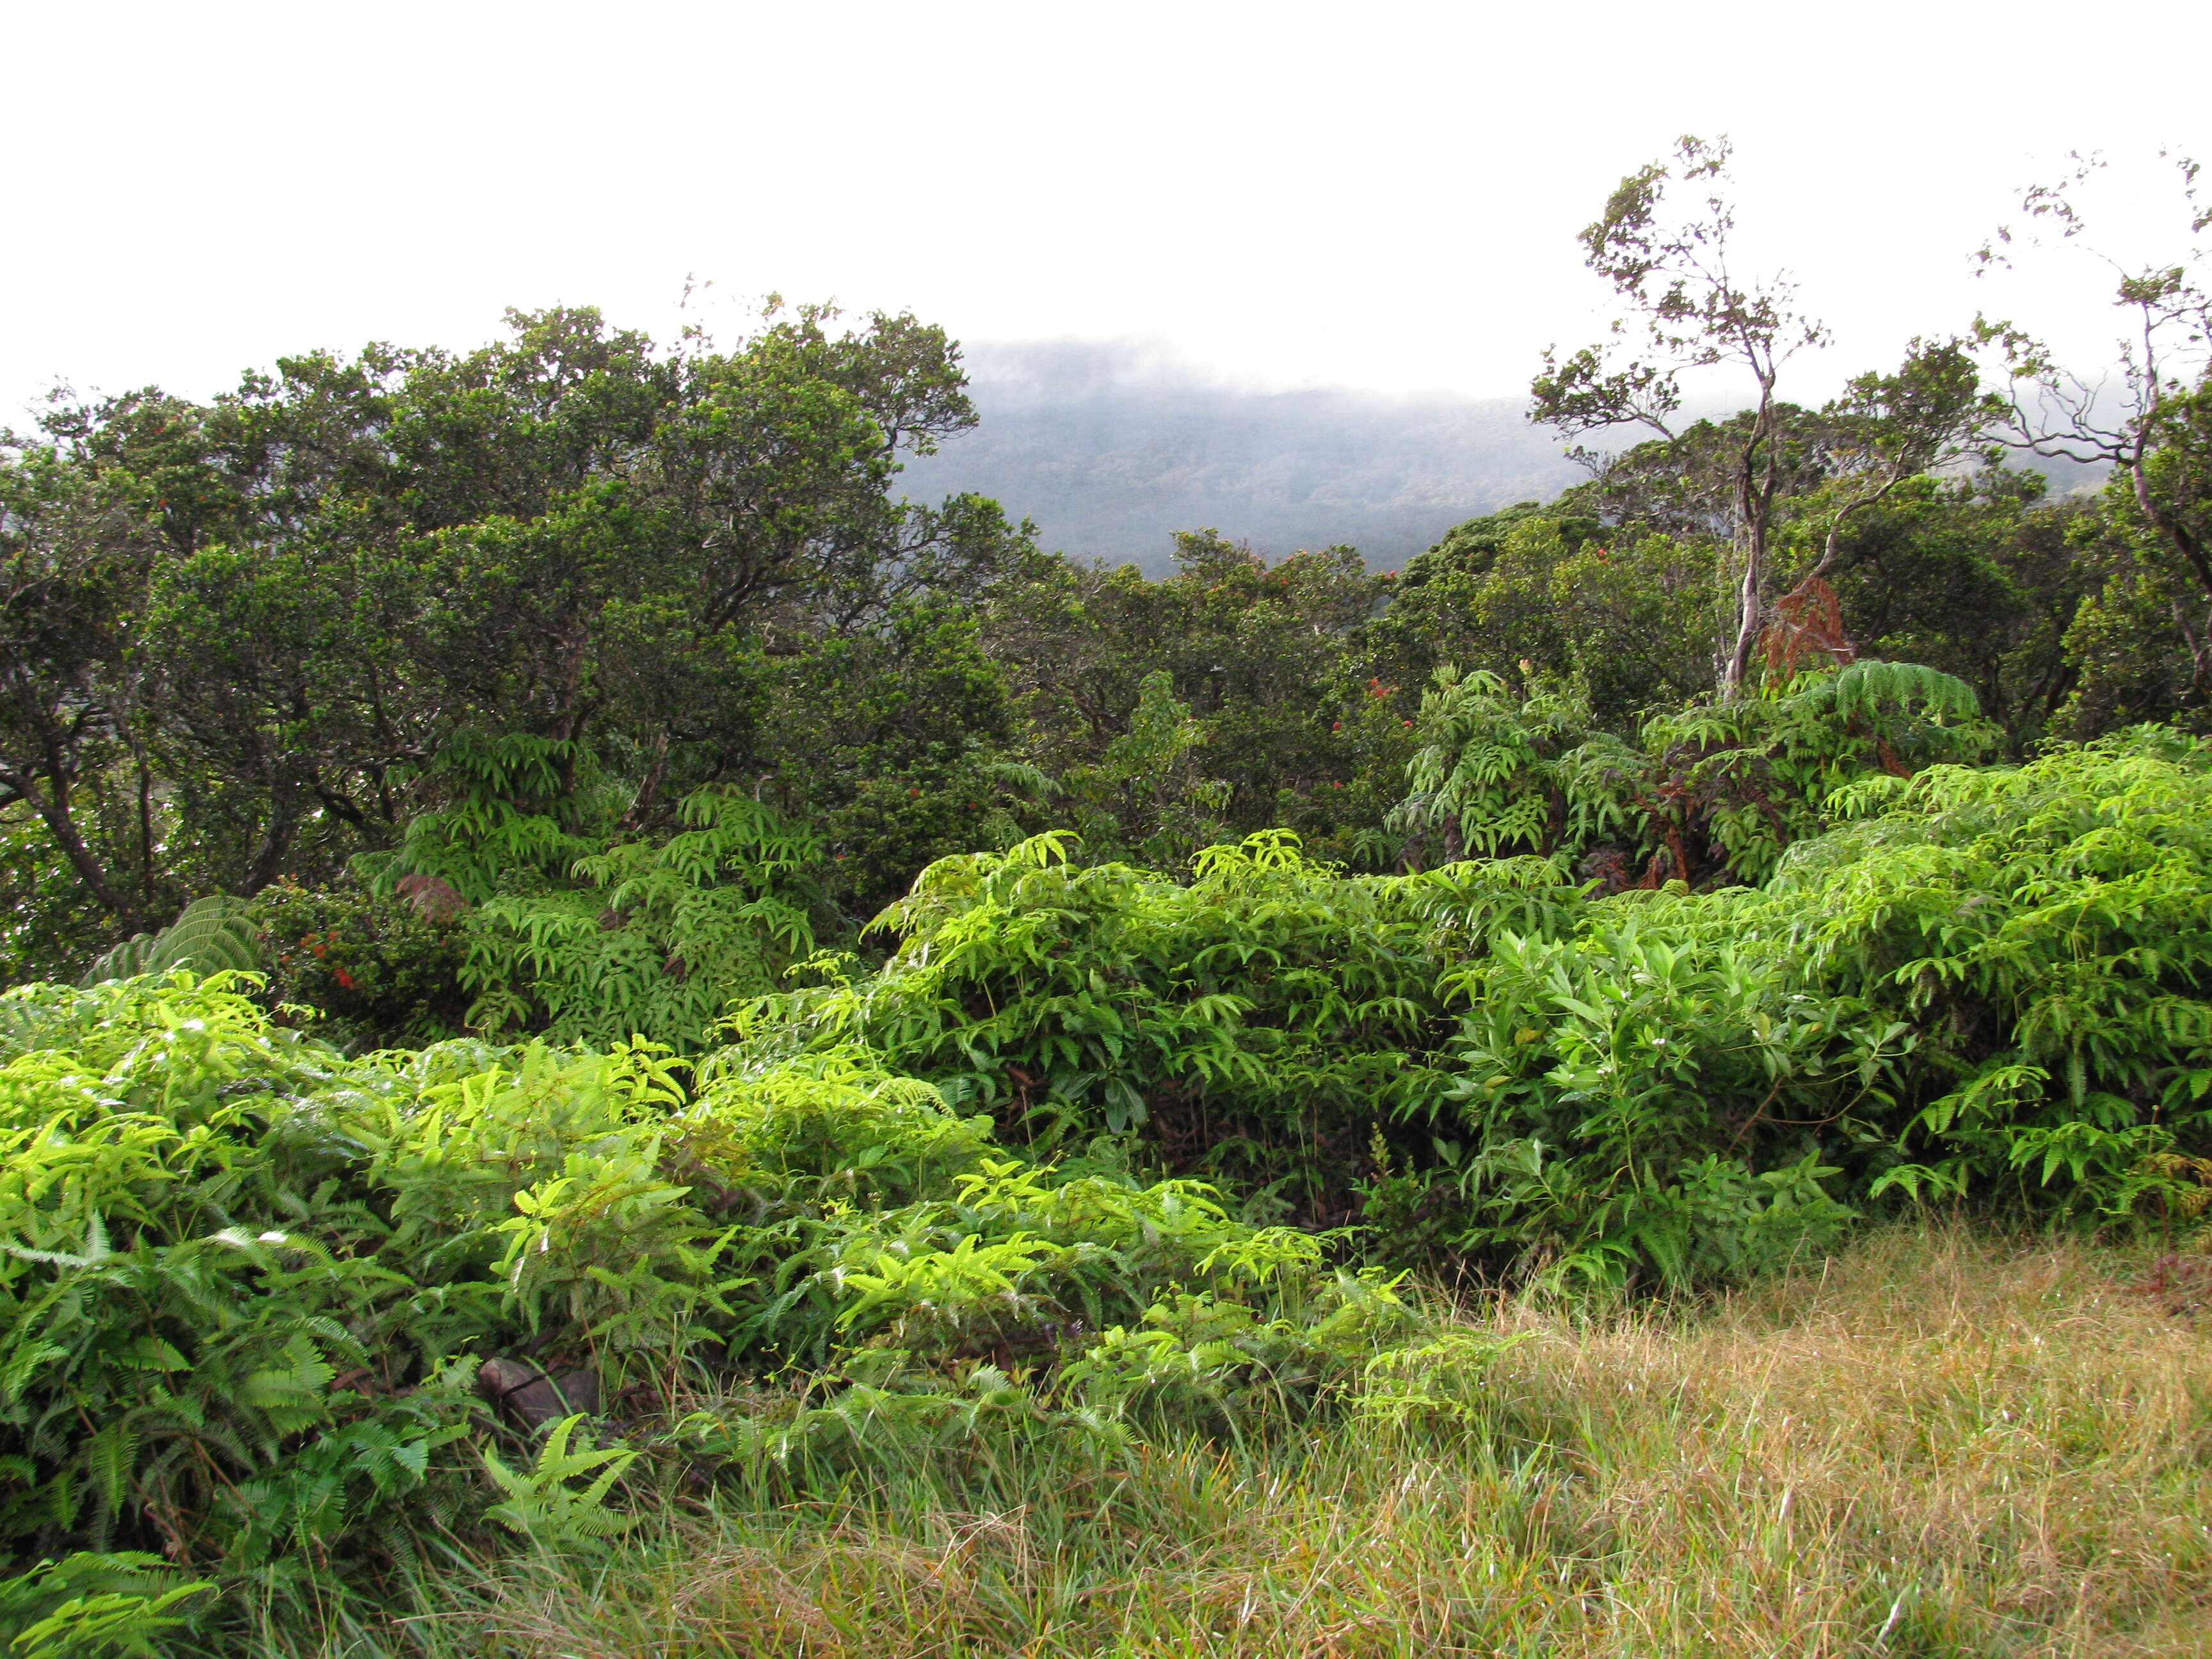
{"x": 1112, "y": 446}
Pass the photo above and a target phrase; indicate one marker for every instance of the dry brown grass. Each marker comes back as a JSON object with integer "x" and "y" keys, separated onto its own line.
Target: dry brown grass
{"x": 2007, "y": 1440}
{"x": 1934, "y": 1444}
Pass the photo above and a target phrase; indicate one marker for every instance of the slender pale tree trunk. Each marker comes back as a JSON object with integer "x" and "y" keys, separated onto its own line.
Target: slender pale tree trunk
{"x": 1754, "y": 496}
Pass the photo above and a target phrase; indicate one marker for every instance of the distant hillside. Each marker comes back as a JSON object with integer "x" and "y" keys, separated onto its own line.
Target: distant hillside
{"x": 1110, "y": 449}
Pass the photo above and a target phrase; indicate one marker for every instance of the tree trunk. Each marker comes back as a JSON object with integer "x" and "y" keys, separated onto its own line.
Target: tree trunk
{"x": 1748, "y": 617}
{"x": 145, "y": 827}
{"x": 287, "y": 806}
{"x": 2177, "y": 534}
{"x": 1754, "y": 509}
{"x": 2199, "y": 641}
{"x": 648, "y": 792}
{"x": 53, "y": 809}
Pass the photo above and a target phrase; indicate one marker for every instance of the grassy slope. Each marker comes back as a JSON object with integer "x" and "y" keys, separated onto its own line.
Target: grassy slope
{"x": 1934, "y": 1444}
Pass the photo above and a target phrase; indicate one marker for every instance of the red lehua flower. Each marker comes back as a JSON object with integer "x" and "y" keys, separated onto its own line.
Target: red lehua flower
{"x": 346, "y": 979}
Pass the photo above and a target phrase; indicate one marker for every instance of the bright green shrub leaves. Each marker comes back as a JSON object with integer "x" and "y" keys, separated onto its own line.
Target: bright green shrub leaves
{"x": 1986, "y": 982}
{"x": 245, "y": 1283}
{"x": 1641, "y": 1101}
{"x": 1268, "y": 1010}
{"x": 1991, "y": 984}
{"x": 651, "y": 939}
{"x": 2048, "y": 927}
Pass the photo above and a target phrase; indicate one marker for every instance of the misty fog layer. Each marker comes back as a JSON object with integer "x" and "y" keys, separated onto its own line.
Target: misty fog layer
{"x": 1110, "y": 449}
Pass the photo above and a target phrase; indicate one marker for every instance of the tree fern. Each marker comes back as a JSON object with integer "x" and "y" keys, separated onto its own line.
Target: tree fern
{"x": 209, "y": 936}
{"x": 652, "y": 938}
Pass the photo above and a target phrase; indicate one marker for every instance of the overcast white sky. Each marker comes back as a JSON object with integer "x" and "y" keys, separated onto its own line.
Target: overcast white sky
{"x": 1380, "y": 195}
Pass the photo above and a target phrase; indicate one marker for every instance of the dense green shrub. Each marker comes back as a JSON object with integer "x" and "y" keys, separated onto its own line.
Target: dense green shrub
{"x": 248, "y": 1283}
{"x": 1985, "y": 984}
{"x": 381, "y": 970}
{"x": 1710, "y": 793}
{"x": 1261, "y": 1017}
{"x": 2046, "y": 931}
{"x": 1989, "y": 985}
{"x": 648, "y": 937}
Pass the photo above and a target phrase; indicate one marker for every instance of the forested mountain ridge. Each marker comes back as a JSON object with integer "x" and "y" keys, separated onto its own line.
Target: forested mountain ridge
{"x": 1109, "y": 448}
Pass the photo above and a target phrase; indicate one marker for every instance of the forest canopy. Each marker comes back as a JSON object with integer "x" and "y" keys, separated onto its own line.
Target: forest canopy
{"x": 411, "y": 615}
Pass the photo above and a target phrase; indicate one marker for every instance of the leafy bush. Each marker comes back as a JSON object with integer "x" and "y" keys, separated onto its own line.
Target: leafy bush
{"x": 382, "y": 971}
{"x": 2047, "y": 932}
{"x": 249, "y": 1284}
{"x": 1261, "y": 1018}
{"x": 1496, "y": 775}
{"x": 1640, "y": 1099}
{"x": 649, "y": 938}
{"x": 1987, "y": 985}
{"x": 1983, "y": 983}
{"x": 1712, "y": 792}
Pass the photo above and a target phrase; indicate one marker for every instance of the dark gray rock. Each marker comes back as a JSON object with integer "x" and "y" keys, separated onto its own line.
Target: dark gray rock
{"x": 528, "y": 1398}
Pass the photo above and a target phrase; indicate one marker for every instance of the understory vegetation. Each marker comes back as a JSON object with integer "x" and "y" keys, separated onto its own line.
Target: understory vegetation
{"x": 620, "y": 1041}
{"x": 1933, "y": 1445}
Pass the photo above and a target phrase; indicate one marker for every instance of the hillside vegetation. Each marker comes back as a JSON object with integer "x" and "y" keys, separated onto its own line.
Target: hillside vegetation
{"x": 620, "y": 1041}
